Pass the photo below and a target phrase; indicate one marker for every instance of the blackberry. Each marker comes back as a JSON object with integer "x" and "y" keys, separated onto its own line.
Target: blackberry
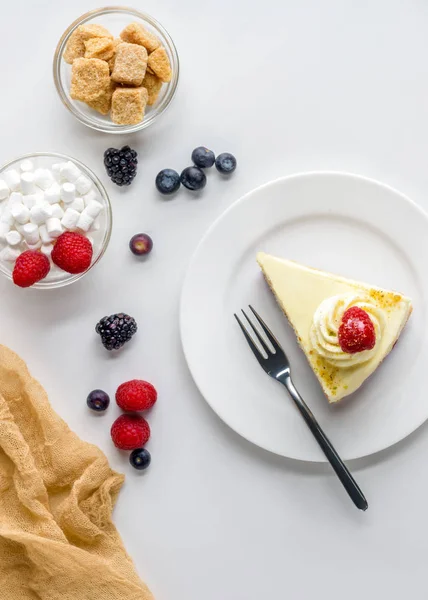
{"x": 116, "y": 330}
{"x": 121, "y": 165}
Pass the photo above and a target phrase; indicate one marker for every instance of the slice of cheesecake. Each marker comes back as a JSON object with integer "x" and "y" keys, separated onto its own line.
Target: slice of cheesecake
{"x": 345, "y": 328}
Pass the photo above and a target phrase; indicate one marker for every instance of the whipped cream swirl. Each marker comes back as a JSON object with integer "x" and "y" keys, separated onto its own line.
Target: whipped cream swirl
{"x": 325, "y": 326}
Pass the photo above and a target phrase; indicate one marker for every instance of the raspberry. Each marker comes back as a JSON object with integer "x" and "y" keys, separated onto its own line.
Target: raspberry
{"x": 356, "y": 332}
{"x": 30, "y": 267}
{"x": 136, "y": 395}
{"x": 72, "y": 252}
{"x": 129, "y": 432}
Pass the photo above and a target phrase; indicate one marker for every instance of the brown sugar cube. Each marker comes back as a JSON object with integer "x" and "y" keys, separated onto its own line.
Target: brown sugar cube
{"x": 90, "y": 77}
{"x": 135, "y": 33}
{"x": 93, "y": 30}
{"x": 128, "y": 105}
{"x": 76, "y": 44}
{"x": 103, "y": 103}
{"x": 153, "y": 84}
{"x": 102, "y": 48}
{"x": 159, "y": 63}
{"x": 130, "y": 64}
{"x": 112, "y": 60}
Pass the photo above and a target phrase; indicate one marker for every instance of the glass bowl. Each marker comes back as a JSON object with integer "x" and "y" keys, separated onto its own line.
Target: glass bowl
{"x": 57, "y": 277}
{"x": 114, "y": 18}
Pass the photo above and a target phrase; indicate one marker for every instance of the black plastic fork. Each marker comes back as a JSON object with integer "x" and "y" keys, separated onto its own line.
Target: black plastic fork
{"x": 277, "y": 366}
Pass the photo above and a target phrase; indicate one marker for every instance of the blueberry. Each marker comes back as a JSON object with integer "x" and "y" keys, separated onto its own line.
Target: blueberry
{"x": 140, "y": 459}
{"x": 167, "y": 181}
{"x": 203, "y": 158}
{"x": 225, "y": 163}
{"x": 141, "y": 244}
{"x": 193, "y": 178}
{"x": 98, "y": 401}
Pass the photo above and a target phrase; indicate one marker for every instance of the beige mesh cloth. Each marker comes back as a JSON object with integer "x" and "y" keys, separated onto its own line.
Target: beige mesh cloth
{"x": 57, "y": 539}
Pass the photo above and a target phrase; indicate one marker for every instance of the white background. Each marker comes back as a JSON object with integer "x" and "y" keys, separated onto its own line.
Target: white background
{"x": 287, "y": 87}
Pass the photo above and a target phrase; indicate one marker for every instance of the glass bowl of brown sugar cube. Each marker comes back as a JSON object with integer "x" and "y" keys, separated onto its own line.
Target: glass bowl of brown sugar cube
{"x": 116, "y": 69}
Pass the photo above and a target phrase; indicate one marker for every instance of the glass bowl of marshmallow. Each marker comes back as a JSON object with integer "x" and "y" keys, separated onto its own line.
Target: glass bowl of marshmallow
{"x": 42, "y": 196}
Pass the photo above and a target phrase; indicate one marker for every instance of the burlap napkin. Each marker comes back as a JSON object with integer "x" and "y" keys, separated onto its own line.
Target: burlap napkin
{"x": 57, "y": 540}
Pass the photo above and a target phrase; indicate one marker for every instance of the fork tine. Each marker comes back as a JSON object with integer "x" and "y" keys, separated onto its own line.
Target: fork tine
{"x": 252, "y": 345}
{"x": 266, "y": 329}
{"x": 257, "y": 334}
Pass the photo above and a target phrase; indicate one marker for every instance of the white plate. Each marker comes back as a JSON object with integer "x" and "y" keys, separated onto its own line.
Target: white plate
{"x": 341, "y": 223}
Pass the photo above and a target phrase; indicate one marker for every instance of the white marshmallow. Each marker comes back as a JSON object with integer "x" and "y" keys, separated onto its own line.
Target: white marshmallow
{"x": 68, "y": 192}
{"x": 70, "y": 171}
{"x": 85, "y": 221}
{"x": 40, "y": 213}
{"x": 35, "y": 246}
{"x": 27, "y": 166}
{"x": 20, "y": 213}
{"x": 93, "y": 209}
{"x": 43, "y": 178}
{"x": 7, "y": 217}
{"x": 54, "y": 227}
{"x": 9, "y": 254}
{"x": 12, "y": 179}
{"x": 27, "y": 183}
{"x": 70, "y": 218}
{"x": 40, "y": 198}
{"x": 83, "y": 184}
{"x": 30, "y": 231}
{"x": 87, "y": 198}
{"x": 56, "y": 172}
{"x": 96, "y": 226}
{"x": 30, "y": 200}
{"x": 77, "y": 204}
{"x": 44, "y": 235}
{"x": 47, "y": 249}
{"x": 4, "y": 190}
{"x": 15, "y": 198}
{"x": 57, "y": 211}
{"x": 53, "y": 194}
{"x": 4, "y": 230}
{"x": 13, "y": 238}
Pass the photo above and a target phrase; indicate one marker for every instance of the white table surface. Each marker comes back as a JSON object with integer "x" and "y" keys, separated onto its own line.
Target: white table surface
{"x": 287, "y": 87}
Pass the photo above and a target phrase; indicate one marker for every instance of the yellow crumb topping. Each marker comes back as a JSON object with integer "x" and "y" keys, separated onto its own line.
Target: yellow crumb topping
{"x": 327, "y": 373}
{"x": 385, "y": 300}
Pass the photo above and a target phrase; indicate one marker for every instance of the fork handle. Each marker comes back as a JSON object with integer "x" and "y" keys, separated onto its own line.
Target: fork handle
{"x": 327, "y": 447}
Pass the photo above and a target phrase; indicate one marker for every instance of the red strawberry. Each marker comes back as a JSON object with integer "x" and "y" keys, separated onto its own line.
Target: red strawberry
{"x": 129, "y": 432}
{"x": 136, "y": 395}
{"x": 30, "y": 267}
{"x": 356, "y": 332}
{"x": 72, "y": 252}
